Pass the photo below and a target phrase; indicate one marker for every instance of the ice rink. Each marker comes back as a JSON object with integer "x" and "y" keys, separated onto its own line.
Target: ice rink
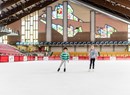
{"x": 42, "y": 78}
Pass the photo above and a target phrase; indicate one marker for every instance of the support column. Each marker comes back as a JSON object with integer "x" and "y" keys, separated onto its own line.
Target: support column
{"x": 65, "y": 21}
{"x": 75, "y": 48}
{"x": 92, "y": 25}
{"x": 49, "y": 24}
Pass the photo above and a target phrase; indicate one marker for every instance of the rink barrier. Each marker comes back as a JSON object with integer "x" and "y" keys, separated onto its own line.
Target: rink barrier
{"x": 123, "y": 58}
{"x": 17, "y": 58}
{"x": 83, "y": 58}
{"x": 40, "y": 57}
{"x": 30, "y": 58}
{"x": 4, "y": 58}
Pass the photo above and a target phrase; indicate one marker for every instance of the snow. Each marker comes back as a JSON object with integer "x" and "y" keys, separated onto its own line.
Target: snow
{"x": 42, "y": 78}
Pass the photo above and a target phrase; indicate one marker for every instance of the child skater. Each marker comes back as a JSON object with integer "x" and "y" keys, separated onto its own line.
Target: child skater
{"x": 64, "y": 59}
{"x": 93, "y": 55}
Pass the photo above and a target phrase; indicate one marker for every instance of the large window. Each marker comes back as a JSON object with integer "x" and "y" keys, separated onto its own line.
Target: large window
{"x": 58, "y": 14}
{"x": 3, "y": 40}
{"x": 105, "y": 32}
{"x": 29, "y": 29}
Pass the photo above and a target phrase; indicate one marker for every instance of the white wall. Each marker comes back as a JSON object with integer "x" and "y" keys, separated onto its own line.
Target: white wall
{"x": 97, "y": 48}
{"x": 70, "y": 49}
{"x": 56, "y": 49}
{"x": 81, "y": 49}
{"x": 120, "y": 48}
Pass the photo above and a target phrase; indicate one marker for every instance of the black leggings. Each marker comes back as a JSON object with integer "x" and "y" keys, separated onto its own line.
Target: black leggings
{"x": 92, "y": 62}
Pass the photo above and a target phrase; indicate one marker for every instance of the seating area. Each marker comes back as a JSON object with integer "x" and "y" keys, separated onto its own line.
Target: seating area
{"x": 6, "y": 49}
{"x": 71, "y": 53}
{"x": 100, "y": 53}
{"x": 114, "y": 53}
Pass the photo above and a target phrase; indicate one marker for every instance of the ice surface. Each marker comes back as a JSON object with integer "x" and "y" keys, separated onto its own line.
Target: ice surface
{"x": 42, "y": 78}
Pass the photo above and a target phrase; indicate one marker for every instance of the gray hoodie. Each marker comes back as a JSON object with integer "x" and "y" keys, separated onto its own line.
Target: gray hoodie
{"x": 93, "y": 53}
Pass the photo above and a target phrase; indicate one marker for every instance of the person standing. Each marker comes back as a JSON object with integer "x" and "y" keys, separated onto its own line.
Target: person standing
{"x": 64, "y": 59}
{"x": 92, "y": 55}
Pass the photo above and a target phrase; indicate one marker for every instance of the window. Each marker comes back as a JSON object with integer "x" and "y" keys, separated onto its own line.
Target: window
{"x": 58, "y": 14}
{"x": 105, "y": 32}
{"x": 29, "y": 28}
{"x": 4, "y": 39}
{"x": 128, "y": 32}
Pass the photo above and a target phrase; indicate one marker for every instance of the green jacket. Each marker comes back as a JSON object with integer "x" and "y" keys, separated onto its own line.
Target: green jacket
{"x": 65, "y": 56}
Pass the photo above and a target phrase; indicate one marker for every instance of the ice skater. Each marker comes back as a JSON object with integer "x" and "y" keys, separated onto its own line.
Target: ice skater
{"x": 64, "y": 59}
{"x": 92, "y": 55}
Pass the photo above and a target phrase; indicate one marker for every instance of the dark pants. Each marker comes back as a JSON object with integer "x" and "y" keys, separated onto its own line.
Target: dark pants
{"x": 92, "y": 62}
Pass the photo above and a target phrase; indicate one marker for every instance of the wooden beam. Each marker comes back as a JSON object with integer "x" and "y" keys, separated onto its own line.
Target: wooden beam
{"x": 18, "y": 8}
{"x": 8, "y": 3}
{"x": 123, "y": 2}
{"x": 112, "y": 7}
{"x": 38, "y": 7}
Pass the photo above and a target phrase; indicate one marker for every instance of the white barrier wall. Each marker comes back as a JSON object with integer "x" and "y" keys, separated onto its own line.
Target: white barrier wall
{"x": 25, "y": 58}
{"x": 112, "y": 58}
{"x": 11, "y": 58}
{"x": 36, "y": 58}
{"x": 45, "y": 58}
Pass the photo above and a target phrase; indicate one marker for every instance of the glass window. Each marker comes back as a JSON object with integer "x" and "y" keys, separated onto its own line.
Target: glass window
{"x": 60, "y": 29}
{"x": 57, "y": 13}
{"x": 31, "y": 27}
{"x": 128, "y": 30}
{"x": 4, "y": 40}
{"x": 36, "y": 35}
{"x": 23, "y": 30}
{"x": 36, "y": 15}
{"x": 128, "y": 26}
{"x": 31, "y": 20}
{"x": 36, "y": 25}
{"x": 129, "y": 35}
{"x": 23, "y": 22}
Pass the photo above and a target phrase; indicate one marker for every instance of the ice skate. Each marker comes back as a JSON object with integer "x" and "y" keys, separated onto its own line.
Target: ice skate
{"x": 58, "y": 70}
{"x": 64, "y": 69}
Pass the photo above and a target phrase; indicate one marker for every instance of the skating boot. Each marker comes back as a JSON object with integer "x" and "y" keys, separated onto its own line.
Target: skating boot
{"x": 64, "y": 69}
{"x": 58, "y": 70}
